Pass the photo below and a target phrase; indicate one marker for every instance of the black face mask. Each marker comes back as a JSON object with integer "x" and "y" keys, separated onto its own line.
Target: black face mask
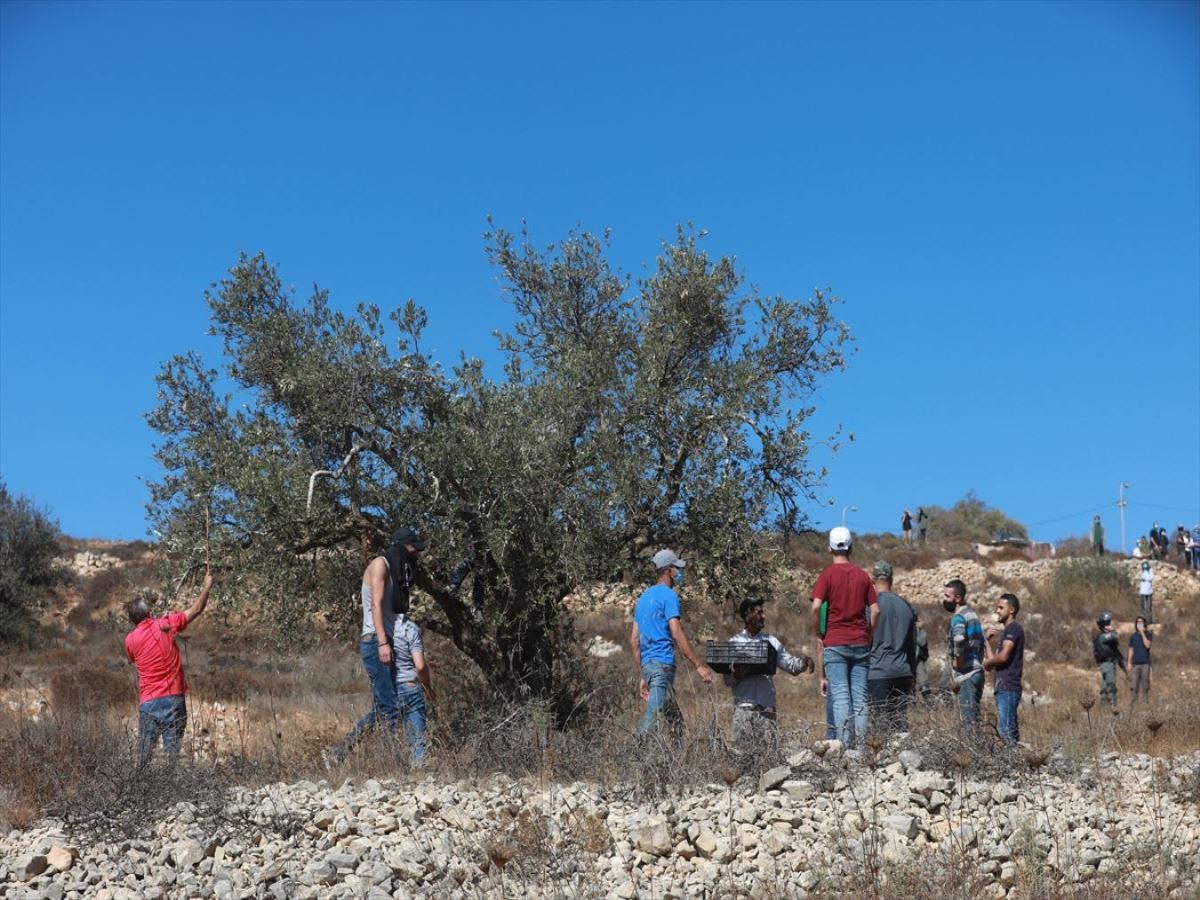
{"x": 949, "y": 605}
{"x": 400, "y": 566}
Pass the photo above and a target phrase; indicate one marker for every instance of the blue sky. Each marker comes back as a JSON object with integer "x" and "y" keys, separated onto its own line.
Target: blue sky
{"x": 1006, "y": 196}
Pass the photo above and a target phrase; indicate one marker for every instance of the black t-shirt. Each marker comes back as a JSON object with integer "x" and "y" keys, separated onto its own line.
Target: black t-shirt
{"x": 1008, "y": 675}
{"x": 1141, "y": 653}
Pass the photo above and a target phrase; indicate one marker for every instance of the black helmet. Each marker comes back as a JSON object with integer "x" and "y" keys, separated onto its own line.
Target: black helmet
{"x": 1104, "y": 619}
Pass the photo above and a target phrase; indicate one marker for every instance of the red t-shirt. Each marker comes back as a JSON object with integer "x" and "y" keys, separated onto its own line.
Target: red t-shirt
{"x": 849, "y": 591}
{"x": 151, "y": 647}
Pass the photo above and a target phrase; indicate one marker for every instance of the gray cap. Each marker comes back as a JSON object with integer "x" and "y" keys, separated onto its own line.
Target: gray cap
{"x": 664, "y": 558}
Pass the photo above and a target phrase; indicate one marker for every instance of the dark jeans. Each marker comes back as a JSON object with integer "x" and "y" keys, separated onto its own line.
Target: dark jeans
{"x": 385, "y": 710}
{"x": 165, "y": 716}
{"x": 1147, "y": 601}
{"x": 1007, "y": 704}
{"x": 887, "y": 700}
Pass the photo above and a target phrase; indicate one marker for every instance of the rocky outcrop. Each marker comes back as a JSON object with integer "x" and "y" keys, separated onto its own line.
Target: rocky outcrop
{"x": 1129, "y": 821}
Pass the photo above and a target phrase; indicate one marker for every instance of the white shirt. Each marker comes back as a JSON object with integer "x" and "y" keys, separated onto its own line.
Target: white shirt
{"x": 759, "y": 690}
{"x": 1147, "y": 579}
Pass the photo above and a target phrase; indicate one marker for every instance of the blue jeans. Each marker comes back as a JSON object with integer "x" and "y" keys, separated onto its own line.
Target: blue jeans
{"x": 660, "y": 678}
{"x": 846, "y": 670}
{"x": 1007, "y": 704}
{"x": 411, "y": 699}
{"x": 166, "y": 716}
{"x": 970, "y": 692}
{"x": 385, "y": 711}
{"x": 830, "y": 728}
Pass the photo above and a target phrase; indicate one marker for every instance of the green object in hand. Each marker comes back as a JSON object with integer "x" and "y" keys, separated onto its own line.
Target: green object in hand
{"x": 824, "y": 616}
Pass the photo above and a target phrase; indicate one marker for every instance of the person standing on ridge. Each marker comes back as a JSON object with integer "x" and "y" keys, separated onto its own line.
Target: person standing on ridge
{"x": 906, "y": 525}
{"x": 655, "y": 634}
{"x": 1146, "y": 591}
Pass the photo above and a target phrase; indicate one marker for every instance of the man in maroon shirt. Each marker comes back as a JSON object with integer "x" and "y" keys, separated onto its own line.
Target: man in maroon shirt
{"x": 840, "y": 599}
{"x": 161, "y": 686}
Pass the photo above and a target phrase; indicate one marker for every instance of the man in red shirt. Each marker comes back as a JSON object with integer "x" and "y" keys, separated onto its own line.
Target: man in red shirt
{"x": 840, "y": 599}
{"x": 161, "y": 686}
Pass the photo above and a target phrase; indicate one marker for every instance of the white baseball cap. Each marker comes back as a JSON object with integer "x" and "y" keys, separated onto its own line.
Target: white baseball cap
{"x": 664, "y": 558}
{"x": 840, "y": 538}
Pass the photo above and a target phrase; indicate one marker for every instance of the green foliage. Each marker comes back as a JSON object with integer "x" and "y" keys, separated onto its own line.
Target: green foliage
{"x": 970, "y": 519}
{"x": 28, "y": 545}
{"x": 629, "y": 416}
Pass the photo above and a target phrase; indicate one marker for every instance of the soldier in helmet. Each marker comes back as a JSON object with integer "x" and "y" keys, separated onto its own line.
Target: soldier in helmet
{"x": 1107, "y": 651}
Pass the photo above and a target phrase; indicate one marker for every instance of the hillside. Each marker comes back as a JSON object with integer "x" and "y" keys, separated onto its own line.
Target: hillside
{"x": 1094, "y": 804}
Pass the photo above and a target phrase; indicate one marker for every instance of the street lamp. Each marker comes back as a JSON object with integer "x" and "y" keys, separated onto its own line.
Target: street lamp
{"x": 846, "y": 509}
{"x": 1121, "y": 504}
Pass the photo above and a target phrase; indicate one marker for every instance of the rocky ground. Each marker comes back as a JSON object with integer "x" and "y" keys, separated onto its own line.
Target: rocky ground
{"x": 825, "y": 822}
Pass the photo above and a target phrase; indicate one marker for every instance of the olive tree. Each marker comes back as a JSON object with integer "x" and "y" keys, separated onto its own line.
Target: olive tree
{"x": 628, "y": 415}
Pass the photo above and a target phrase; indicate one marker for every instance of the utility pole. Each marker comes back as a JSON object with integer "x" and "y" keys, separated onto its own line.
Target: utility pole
{"x": 1121, "y": 506}
{"x": 846, "y": 509}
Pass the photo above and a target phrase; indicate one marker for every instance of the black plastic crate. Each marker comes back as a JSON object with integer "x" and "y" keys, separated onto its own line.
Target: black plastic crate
{"x": 759, "y": 657}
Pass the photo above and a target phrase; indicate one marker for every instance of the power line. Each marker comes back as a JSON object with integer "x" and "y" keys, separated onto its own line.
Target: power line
{"x": 1186, "y": 509}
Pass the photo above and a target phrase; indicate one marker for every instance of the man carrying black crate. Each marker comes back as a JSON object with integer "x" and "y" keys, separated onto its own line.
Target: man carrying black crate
{"x": 754, "y": 724}
{"x": 655, "y": 633}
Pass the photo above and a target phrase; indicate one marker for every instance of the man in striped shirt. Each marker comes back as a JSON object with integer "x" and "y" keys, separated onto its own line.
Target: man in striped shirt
{"x": 965, "y": 651}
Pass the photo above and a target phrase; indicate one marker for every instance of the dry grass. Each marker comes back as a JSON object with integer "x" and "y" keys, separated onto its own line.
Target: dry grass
{"x": 257, "y": 716}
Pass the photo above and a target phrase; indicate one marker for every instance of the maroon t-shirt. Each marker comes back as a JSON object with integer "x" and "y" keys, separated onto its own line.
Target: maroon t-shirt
{"x": 849, "y": 591}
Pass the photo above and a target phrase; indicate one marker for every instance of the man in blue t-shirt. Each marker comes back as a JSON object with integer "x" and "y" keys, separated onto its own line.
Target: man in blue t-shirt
{"x": 655, "y": 633}
{"x": 1008, "y": 662}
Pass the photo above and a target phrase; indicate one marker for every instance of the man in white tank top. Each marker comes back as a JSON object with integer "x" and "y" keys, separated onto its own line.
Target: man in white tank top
{"x": 384, "y": 594}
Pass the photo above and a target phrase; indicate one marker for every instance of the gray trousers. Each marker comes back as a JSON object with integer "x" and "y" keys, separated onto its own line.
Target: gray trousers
{"x": 1108, "y": 681}
{"x": 1139, "y": 683}
{"x": 755, "y": 731}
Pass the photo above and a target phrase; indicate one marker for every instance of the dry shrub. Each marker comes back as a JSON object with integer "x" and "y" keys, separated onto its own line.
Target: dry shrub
{"x": 100, "y": 688}
{"x": 1082, "y": 588}
{"x": 234, "y": 684}
{"x": 101, "y": 588}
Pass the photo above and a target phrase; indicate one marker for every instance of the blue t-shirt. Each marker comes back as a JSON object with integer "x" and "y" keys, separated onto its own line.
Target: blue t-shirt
{"x": 655, "y": 608}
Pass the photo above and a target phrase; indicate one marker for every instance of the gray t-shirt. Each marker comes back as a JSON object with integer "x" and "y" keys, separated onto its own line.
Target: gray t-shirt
{"x": 893, "y": 643}
{"x": 405, "y": 642}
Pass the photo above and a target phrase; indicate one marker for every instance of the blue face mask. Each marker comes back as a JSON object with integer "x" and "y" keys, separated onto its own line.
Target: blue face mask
{"x": 678, "y": 577}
